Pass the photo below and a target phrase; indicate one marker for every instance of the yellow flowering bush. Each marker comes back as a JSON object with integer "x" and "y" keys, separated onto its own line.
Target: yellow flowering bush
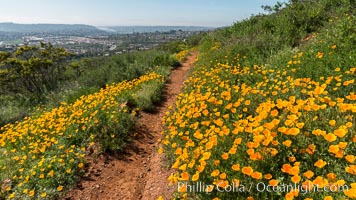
{"x": 181, "y": 55}
{"x": 46, "y": 152}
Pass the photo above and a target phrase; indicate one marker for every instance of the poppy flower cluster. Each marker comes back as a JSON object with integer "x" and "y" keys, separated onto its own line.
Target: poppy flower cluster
{"x": 236, "y": 123}
{"x": 45, "y": 152}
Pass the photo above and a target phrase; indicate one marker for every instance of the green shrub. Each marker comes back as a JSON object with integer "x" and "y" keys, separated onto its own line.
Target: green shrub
{"x": 148, "y": 95}
{"x": 32, "y": 71}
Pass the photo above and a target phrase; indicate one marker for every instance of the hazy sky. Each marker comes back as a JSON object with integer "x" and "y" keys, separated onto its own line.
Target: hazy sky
{"x": 212, "y": 13}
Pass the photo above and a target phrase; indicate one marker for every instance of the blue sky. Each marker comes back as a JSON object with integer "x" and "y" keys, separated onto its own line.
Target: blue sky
{"x": 213, "y": 13}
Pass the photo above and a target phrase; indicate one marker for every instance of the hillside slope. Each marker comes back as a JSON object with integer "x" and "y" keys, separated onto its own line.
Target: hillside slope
{"x": 270, "y": 105}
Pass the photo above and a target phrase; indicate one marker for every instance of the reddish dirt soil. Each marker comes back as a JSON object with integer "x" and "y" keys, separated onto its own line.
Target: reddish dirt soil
{"x": 139, "y": 172}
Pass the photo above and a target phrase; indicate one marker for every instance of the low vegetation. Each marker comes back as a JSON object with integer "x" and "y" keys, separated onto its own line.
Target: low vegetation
{"x": 43, "y": 76}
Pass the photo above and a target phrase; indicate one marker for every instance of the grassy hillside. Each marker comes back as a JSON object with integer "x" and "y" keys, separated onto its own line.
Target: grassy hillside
{"x": 267, "y": 113}
{"x": 270, "y": 106}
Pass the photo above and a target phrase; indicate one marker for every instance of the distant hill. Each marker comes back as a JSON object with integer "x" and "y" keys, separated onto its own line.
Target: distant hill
{"x": 148, "y": 29}
{"x": 58, "y": 29}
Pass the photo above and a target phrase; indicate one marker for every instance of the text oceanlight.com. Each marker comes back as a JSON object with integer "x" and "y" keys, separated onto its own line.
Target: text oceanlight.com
{"x": 199, "y": 187}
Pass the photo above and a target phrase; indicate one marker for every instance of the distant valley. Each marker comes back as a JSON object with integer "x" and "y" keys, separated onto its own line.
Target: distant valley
{"x": 150, "y": 29}
{"x": 81, "y": 29}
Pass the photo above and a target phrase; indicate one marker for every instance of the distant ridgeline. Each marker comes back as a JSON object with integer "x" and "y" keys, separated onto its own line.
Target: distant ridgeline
{"x": 58, "y": 29}
{"x": 81, "y": 29}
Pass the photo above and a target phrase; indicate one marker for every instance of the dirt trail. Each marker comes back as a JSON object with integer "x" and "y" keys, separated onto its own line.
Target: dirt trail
{"x": 140, "y": 172}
